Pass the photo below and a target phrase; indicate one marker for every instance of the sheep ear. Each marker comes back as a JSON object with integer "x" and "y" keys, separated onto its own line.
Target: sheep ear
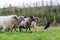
{"x": 15, "y": 18}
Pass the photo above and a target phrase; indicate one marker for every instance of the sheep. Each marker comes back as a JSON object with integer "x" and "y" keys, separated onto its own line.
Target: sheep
{"x": 7, "y": 22}
{"x": 33, "y": 24}
{"x": 16, "y": 24}
{"x": 26, "y": 23}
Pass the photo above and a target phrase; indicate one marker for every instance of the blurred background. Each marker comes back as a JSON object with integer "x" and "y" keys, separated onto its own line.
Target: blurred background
{"x": 46, "y": 10}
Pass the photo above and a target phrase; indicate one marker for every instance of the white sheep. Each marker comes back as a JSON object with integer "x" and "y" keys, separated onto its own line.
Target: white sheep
{"x": 7, "y": 21}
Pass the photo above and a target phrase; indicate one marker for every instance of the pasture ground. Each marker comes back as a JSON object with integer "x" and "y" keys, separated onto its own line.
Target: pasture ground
{"x": 53, "y": 33}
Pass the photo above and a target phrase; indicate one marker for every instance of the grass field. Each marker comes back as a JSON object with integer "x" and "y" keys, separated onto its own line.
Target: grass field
{"x": 53, "y": 33}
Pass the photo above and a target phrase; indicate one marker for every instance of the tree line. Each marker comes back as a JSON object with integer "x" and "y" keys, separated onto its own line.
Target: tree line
{"x": 45, "y": 13}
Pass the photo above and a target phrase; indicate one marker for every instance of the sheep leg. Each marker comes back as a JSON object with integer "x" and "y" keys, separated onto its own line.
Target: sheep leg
{"x": 30, "y": 30}
{"x": 7, "y": 29}
{"x": 16, "y": 29}
{"x": 26, "y": 29}
{"x": 4, "y": 28}
{"x": 20, "y": 29}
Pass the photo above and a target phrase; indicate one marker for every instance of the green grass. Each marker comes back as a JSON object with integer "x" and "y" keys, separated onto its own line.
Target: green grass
{"x": 53, "y": 33}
